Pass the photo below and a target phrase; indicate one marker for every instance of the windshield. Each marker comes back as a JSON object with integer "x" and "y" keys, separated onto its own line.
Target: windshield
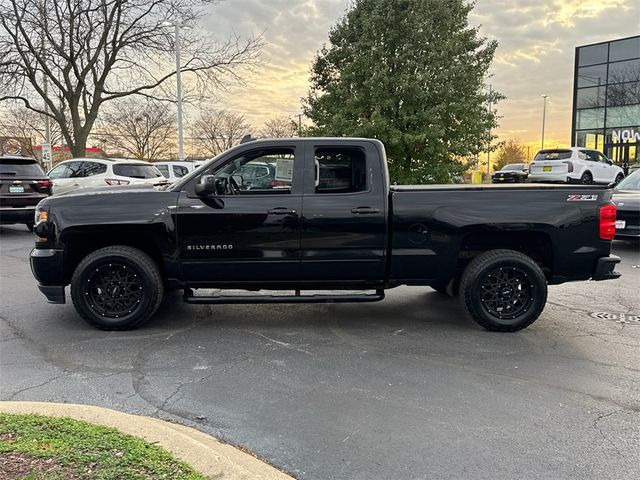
{"x": 553, "y": 155}
{"x": 513, "y": 166}
{"x": 632, "y": 182}
{"x": 135, "y": 170}
{"x": 20, "y": 168}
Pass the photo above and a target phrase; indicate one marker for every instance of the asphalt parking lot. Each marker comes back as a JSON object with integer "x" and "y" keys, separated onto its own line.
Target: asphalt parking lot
{"x": 407, "y": 388}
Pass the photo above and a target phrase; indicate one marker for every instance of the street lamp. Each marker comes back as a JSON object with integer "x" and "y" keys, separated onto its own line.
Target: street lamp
{"x": 544, "y": 117}
{"x": 177, "y": 25}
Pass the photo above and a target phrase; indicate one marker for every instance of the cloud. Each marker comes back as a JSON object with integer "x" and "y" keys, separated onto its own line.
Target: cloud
{"x": 536, "y": 54}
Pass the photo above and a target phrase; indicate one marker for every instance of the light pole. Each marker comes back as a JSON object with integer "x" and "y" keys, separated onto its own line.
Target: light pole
{"x": 544, "y": 118}
{"x": 177, "y": 26}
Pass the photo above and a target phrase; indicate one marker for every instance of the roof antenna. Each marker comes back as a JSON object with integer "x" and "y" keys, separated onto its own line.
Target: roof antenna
{"x": 245, "y": 139}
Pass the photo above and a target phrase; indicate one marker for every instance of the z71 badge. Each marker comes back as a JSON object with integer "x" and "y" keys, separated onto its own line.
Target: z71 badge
{"x": 582, "y": 198}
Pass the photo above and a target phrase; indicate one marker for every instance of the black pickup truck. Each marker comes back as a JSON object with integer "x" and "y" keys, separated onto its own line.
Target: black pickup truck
{"x": 324, "y": 219}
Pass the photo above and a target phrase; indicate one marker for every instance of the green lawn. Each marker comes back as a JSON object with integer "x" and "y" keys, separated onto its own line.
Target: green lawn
{"x": 62, "y": 448}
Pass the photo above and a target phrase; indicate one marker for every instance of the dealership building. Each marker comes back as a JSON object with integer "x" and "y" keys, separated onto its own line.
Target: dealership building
{"x": 606, "y": 99}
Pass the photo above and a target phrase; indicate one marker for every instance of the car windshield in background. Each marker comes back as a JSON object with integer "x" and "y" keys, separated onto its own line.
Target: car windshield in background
{"x": 512, "y": 167}
{"x": 136, "y": 171}
{"x": 20, "y": 168}
{"x": 553, "y": 155}
{"x": 632, "y": 182}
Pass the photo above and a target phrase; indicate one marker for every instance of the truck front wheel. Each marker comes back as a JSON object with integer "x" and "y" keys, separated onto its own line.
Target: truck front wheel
{"x": 503, "y": 290}
{"x": 117, "y": 288}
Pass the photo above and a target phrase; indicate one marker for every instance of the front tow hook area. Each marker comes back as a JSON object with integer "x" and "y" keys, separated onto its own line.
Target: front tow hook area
{"x": 605, "y": 268}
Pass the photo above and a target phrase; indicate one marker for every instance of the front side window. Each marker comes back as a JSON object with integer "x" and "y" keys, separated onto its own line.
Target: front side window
{"x": 265, "y": 171}
{"x": 61, "y": 171}
{"x": 340, "y": 170}
{"x": 164, "y": 170}
{"x": 178, "y": 171}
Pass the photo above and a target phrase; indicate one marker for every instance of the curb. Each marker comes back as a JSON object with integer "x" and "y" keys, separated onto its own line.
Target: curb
{"x": 203, "y": 452}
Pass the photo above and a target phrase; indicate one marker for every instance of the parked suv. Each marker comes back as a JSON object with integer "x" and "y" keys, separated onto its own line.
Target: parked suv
{"x": 23, "y": 184}
{"x": 172, "y": 171}
{"x": 574, "y": 165}
{"x": 97, "y": 172}
{"x": 514, "y": 172}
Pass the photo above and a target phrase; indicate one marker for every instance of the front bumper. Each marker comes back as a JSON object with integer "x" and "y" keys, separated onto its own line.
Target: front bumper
{"x": 47, "y": 266}
{"x": 605, "y": 268}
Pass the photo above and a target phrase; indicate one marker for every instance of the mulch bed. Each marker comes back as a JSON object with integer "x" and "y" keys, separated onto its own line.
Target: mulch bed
{"x": 16, "y": 466}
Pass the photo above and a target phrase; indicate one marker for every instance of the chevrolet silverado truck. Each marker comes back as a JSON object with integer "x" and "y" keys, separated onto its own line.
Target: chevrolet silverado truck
{"x": 325, "y": 226}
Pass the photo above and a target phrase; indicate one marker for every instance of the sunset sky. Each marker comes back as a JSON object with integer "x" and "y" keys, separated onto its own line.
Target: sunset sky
{"x": 535, "y": 56}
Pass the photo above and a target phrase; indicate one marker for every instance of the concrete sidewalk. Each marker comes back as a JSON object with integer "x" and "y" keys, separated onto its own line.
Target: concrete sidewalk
{"x": 203, "y": 452}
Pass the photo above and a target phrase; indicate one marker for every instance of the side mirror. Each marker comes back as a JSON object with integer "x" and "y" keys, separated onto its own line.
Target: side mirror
{"x": 206, "y": 186}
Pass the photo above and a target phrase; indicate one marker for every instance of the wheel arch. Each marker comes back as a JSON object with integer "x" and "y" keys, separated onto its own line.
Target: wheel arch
{"x": 152, "y": 239}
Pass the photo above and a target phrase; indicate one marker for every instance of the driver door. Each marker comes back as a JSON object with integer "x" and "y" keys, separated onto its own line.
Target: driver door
{"x": 249, "y": 232}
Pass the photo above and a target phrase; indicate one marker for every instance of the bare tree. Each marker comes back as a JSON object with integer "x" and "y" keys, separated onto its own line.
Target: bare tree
{"x": 139, "y": 128}
{"x": 279, "y": 127}
{"x": 18, "y": 121}
{"x": 219, "y": 131}
{"x": 90, "y": 52}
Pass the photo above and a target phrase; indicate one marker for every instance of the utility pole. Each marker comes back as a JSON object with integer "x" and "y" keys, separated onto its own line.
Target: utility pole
{"x": 299, "y": 124}
{"x": 544, "y": 118}
{"x": 489, "y": 137}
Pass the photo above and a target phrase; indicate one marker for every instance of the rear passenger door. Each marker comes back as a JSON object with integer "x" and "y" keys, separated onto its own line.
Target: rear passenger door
{"x": 343, "y": 215}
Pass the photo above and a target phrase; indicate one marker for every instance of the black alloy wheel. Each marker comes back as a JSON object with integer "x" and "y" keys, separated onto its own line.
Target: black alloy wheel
{"x": 619, "y": 178}
{"x": 586, "y": 179}
{"x": 117, "y": 288}
{"x": 506, "y": 292}
{"x": 503, "y": 290}
{"x": 114, "y": 290}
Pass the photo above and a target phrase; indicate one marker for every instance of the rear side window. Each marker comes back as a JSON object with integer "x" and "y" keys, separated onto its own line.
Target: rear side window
{"x": 133, "y": 170}
{"x": 94, "y": 168}
{"x": 20, "y": 168}
{"x": 340, "y": 170}
{"x": 553, "y": 155}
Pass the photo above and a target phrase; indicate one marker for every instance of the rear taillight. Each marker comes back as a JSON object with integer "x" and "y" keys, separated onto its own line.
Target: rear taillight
{"x": 115, "y": 181}
{"x": 569, "y": 166}
{"x": 607, "y": 222}
{"x": 276, "y": 184}
{"x": 45, "y": 183}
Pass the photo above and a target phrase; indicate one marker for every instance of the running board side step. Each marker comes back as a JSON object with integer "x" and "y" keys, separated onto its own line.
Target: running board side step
{"x": 189, "y": 297}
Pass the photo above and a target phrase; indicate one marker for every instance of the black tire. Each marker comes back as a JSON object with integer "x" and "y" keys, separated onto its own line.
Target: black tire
{"x": 586, "y": 178}
{"x": 619, "y": 178}
{"x": 30, "y": 226}
{"x": 105, "y": 276}
{"x": 503, "y": 290}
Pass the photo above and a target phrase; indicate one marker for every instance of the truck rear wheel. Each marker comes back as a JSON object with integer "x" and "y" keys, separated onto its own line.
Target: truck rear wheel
{"x": 117, "y": 288}
{"x": 503, "y": 290}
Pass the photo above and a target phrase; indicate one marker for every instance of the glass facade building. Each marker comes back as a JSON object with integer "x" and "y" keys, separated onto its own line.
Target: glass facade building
{"x": 606, "y": 99}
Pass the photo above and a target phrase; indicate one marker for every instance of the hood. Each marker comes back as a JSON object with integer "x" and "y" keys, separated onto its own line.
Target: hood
{"x": 113, "y": 190}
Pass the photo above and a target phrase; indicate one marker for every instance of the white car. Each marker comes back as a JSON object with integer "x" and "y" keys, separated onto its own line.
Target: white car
{"x": 101, "y": 172}
{"x": 172, "y": 171}
{"x": 573, "y": 165}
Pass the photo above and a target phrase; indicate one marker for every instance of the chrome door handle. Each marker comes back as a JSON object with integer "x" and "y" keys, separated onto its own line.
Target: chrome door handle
{"x": 281, "y": 211}
{"x": 365, "y": 210}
